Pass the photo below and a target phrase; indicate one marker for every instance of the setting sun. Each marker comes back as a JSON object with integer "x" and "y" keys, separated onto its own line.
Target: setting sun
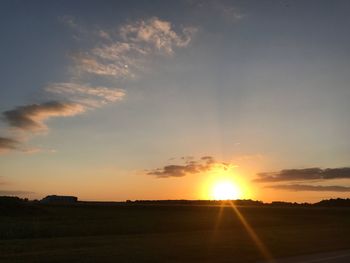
{"x": 224, "y": 182}
{"x": 225, "y": 190}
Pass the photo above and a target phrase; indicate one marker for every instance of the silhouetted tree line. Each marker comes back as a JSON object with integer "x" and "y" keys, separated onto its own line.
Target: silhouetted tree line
{"x": 13, "y": 201}
{"x": 248, "y": 202}
{"x": 338, "y": 202}
{"x": 196, "y": 202}
{"x": 12, "y": 205}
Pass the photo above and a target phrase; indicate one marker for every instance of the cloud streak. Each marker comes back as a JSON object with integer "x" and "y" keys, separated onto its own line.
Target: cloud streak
{"x": 7, "y": 144}
{"x": 314, "y": 188}
{"x": 85, "y": 94}
{"x": 205, "y": 164}
{"x": 304, "y": 174}
{"x": 32, "y": 117}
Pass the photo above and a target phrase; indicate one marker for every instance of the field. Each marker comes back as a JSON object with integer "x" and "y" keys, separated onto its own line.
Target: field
{"x": 166, "y": 233}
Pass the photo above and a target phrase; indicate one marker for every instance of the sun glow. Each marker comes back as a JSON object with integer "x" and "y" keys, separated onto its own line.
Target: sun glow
{"x": 225, "y": 190}
{"x": 224, "y": 183}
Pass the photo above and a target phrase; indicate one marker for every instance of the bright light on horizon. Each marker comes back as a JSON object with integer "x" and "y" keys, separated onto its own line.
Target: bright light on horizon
{"x": 224, "y": 183}
{"x": 225, "y": 190}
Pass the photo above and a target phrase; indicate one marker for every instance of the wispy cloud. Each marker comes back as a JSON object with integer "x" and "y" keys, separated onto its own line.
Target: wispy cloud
{"x": 79, "y": 31}
{"x": 31, "y": 117}
{"x": 85, "y": 94}
{"x": 304, "y": 174}
{"x": 69, "y": 21}
{"x": 7, "y": 144}
{"x": 121, "y": 56}
{"x": 190, "y": 166}
{"x": 226, "y": 10}
{"x": 157, "y": 34}
{"x": 88, "y": 63}
{"x": 317, "y": 188}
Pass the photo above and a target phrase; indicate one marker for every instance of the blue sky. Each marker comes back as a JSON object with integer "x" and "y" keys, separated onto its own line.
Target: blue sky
{"x": 109, "y": 91}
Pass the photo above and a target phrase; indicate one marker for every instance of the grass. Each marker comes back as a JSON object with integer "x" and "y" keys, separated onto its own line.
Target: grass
{"x": 160, "y": 233}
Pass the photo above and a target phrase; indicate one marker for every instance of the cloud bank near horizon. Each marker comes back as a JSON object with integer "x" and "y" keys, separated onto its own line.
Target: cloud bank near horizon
{"x": 305, "y": 175}
{"x": 314, "y": 188}
{"x": 314, "y": 173}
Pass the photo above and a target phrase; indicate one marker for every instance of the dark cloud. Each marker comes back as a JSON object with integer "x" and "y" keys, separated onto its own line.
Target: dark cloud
{"x": 190, "y": 167}
{"x": 11, "y": 144}
{"x": 32, "y": 117}
{"x": 317, "y": 188}
{"x": 337, "y": 173}
{"x": 208, "y": 159}
{"x": 8, "y": 144}
{"x": 304, "y": 174}
{"x": 173, "y": 170}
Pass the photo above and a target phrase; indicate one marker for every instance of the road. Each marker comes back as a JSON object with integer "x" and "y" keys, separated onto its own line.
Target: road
{"x": 330, "y": 257}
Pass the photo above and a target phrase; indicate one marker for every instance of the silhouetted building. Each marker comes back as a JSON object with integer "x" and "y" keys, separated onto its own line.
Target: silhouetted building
{"x": 59, "y": 199}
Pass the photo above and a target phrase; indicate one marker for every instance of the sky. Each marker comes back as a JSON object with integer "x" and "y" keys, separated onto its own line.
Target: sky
{"x": 117, "y": 100}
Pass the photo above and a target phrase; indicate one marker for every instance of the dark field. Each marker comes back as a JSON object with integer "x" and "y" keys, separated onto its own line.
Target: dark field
{"x": 165, "y": 233}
